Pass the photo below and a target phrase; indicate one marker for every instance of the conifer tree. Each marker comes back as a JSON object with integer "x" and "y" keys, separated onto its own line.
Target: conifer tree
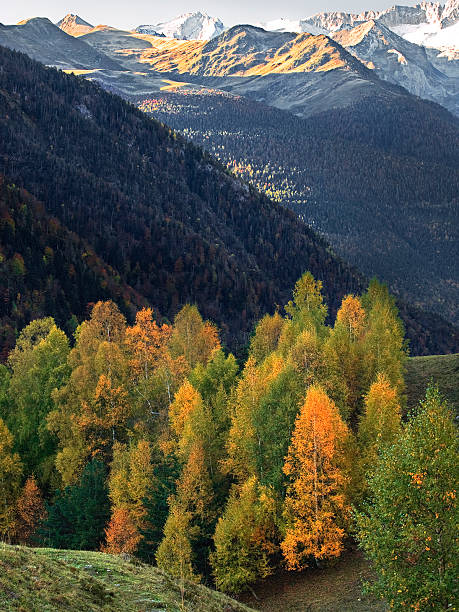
{"x": 307, "y": 309}
{"x": 79, "y": 514}
{"x": 380, "y": 422}
{"x": 121, "y": 534}
{"x": 193, "y": 338}
{"x": 30, "y": 510}
{"x": 315, "y": 505}
{"x": 175, "y": 554}
{"x": 92, "y": 408}
{"x": 129, "y": 483}
{"x": 39, "y": 365}
{"x": 244, "y": 440}
{"x": 385, "y": 347}
{"x": 10, "y": 478}
{"x": 266, "y": 336}
{"x": 408, "y": 529}
{"x": 345, "y": 351}
{"x": 245, "y": 537}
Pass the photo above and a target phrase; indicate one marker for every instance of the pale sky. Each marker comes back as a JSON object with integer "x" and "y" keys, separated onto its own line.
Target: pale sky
{"x": 129, "y": 14}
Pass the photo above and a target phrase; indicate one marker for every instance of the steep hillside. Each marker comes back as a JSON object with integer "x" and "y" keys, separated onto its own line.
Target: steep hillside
{"x": 175, "y": 226}
{"x": 47, "y": 580}
{"x": 46, "y": 43}
{"x": 442, "y": 370}
{"x": 47, "y": 270}
{"x": 422, "y": 71}
{"x": 161, "y": 212}
{"x": 378, "y": 180}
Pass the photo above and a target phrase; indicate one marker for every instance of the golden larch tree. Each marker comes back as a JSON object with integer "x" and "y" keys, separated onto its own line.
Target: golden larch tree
{"x": 10, "y": 476}
{"x": 315, "y": 504}
{"x": 30, "y": 511}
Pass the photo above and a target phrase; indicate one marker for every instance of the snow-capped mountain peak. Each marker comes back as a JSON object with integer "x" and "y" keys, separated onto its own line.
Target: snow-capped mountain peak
{"x": 189, "y": 26}
{"x": 290, "y": 25}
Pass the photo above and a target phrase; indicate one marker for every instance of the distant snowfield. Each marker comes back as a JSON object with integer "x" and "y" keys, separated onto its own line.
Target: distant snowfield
{"x": 430, "y": 34}
{"x": 289, "y": 25}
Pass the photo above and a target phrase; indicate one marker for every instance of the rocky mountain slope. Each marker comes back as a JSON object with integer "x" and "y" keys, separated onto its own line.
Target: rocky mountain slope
{"x": 302, "y": 73}
{"x": 45, "y": 42}
{"x": 74, "y": 25}
{"x": 429, "y": 24}
{"x": 422, "y": 71}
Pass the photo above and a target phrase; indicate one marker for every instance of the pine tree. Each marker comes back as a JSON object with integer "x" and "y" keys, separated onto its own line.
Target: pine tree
{"x": 307, "y": 310}
{"x": 244, "y": 441}
{"x": 385, "y": 347}
{"x": 193, "y": 338}
{"x": 175, "y": 554}
{"x": 408, "y": 529}
{"x": 78, "y": 516}
{"x": 129, "y": 483}
{"x": 345, "y": 351}
{"x": 266, "y": 336}
{"x": 315, "y": 505}
{"x": 91, "y": 409}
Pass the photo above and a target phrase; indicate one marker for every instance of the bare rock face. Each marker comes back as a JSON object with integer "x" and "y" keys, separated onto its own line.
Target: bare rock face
{"x": 74, "y": 25}
{"x": 450, "y": 15}
{"x": 421, "y": 71}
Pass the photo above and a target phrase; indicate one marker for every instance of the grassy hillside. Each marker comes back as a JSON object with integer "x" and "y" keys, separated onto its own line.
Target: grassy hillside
{"x": 441, "y": 369}
{"x": 48, "y": 580}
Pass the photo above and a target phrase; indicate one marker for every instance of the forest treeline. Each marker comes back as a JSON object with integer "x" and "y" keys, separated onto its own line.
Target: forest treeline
{"x": 164, "y": 222}
{"x": 378, "y": 179}
{"x": 151, "y": 440}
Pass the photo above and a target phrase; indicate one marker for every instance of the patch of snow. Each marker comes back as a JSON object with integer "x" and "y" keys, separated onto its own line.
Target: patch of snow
{"x": 290, "y": 25}
{"x": 190, "y": 26}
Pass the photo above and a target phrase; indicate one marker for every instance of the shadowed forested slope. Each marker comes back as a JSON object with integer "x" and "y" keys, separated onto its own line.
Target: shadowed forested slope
{"x": 379, "y": 179}
{"x": 159, "y": 210}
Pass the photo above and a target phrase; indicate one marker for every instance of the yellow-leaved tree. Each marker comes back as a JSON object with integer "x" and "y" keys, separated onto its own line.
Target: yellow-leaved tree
{"x": 10, "y": 478}
{"x": 129, "y": 483}
{"x": 315, "y": 506}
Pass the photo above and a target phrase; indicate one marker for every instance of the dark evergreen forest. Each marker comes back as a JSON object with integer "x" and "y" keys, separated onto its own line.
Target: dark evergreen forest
{"x": 169, "y": 223}
{"x": 379, "y": 179}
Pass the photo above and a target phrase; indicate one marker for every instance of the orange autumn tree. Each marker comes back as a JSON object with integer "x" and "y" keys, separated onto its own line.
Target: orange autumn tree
{"x": 315, "y": 504}
{"x": 129, "y": 483}
{"x": 30, "y": 511}
{"x": 154, "y": 375}
{"x": 186, "y": 400}
{"x": 122, "y": 535}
